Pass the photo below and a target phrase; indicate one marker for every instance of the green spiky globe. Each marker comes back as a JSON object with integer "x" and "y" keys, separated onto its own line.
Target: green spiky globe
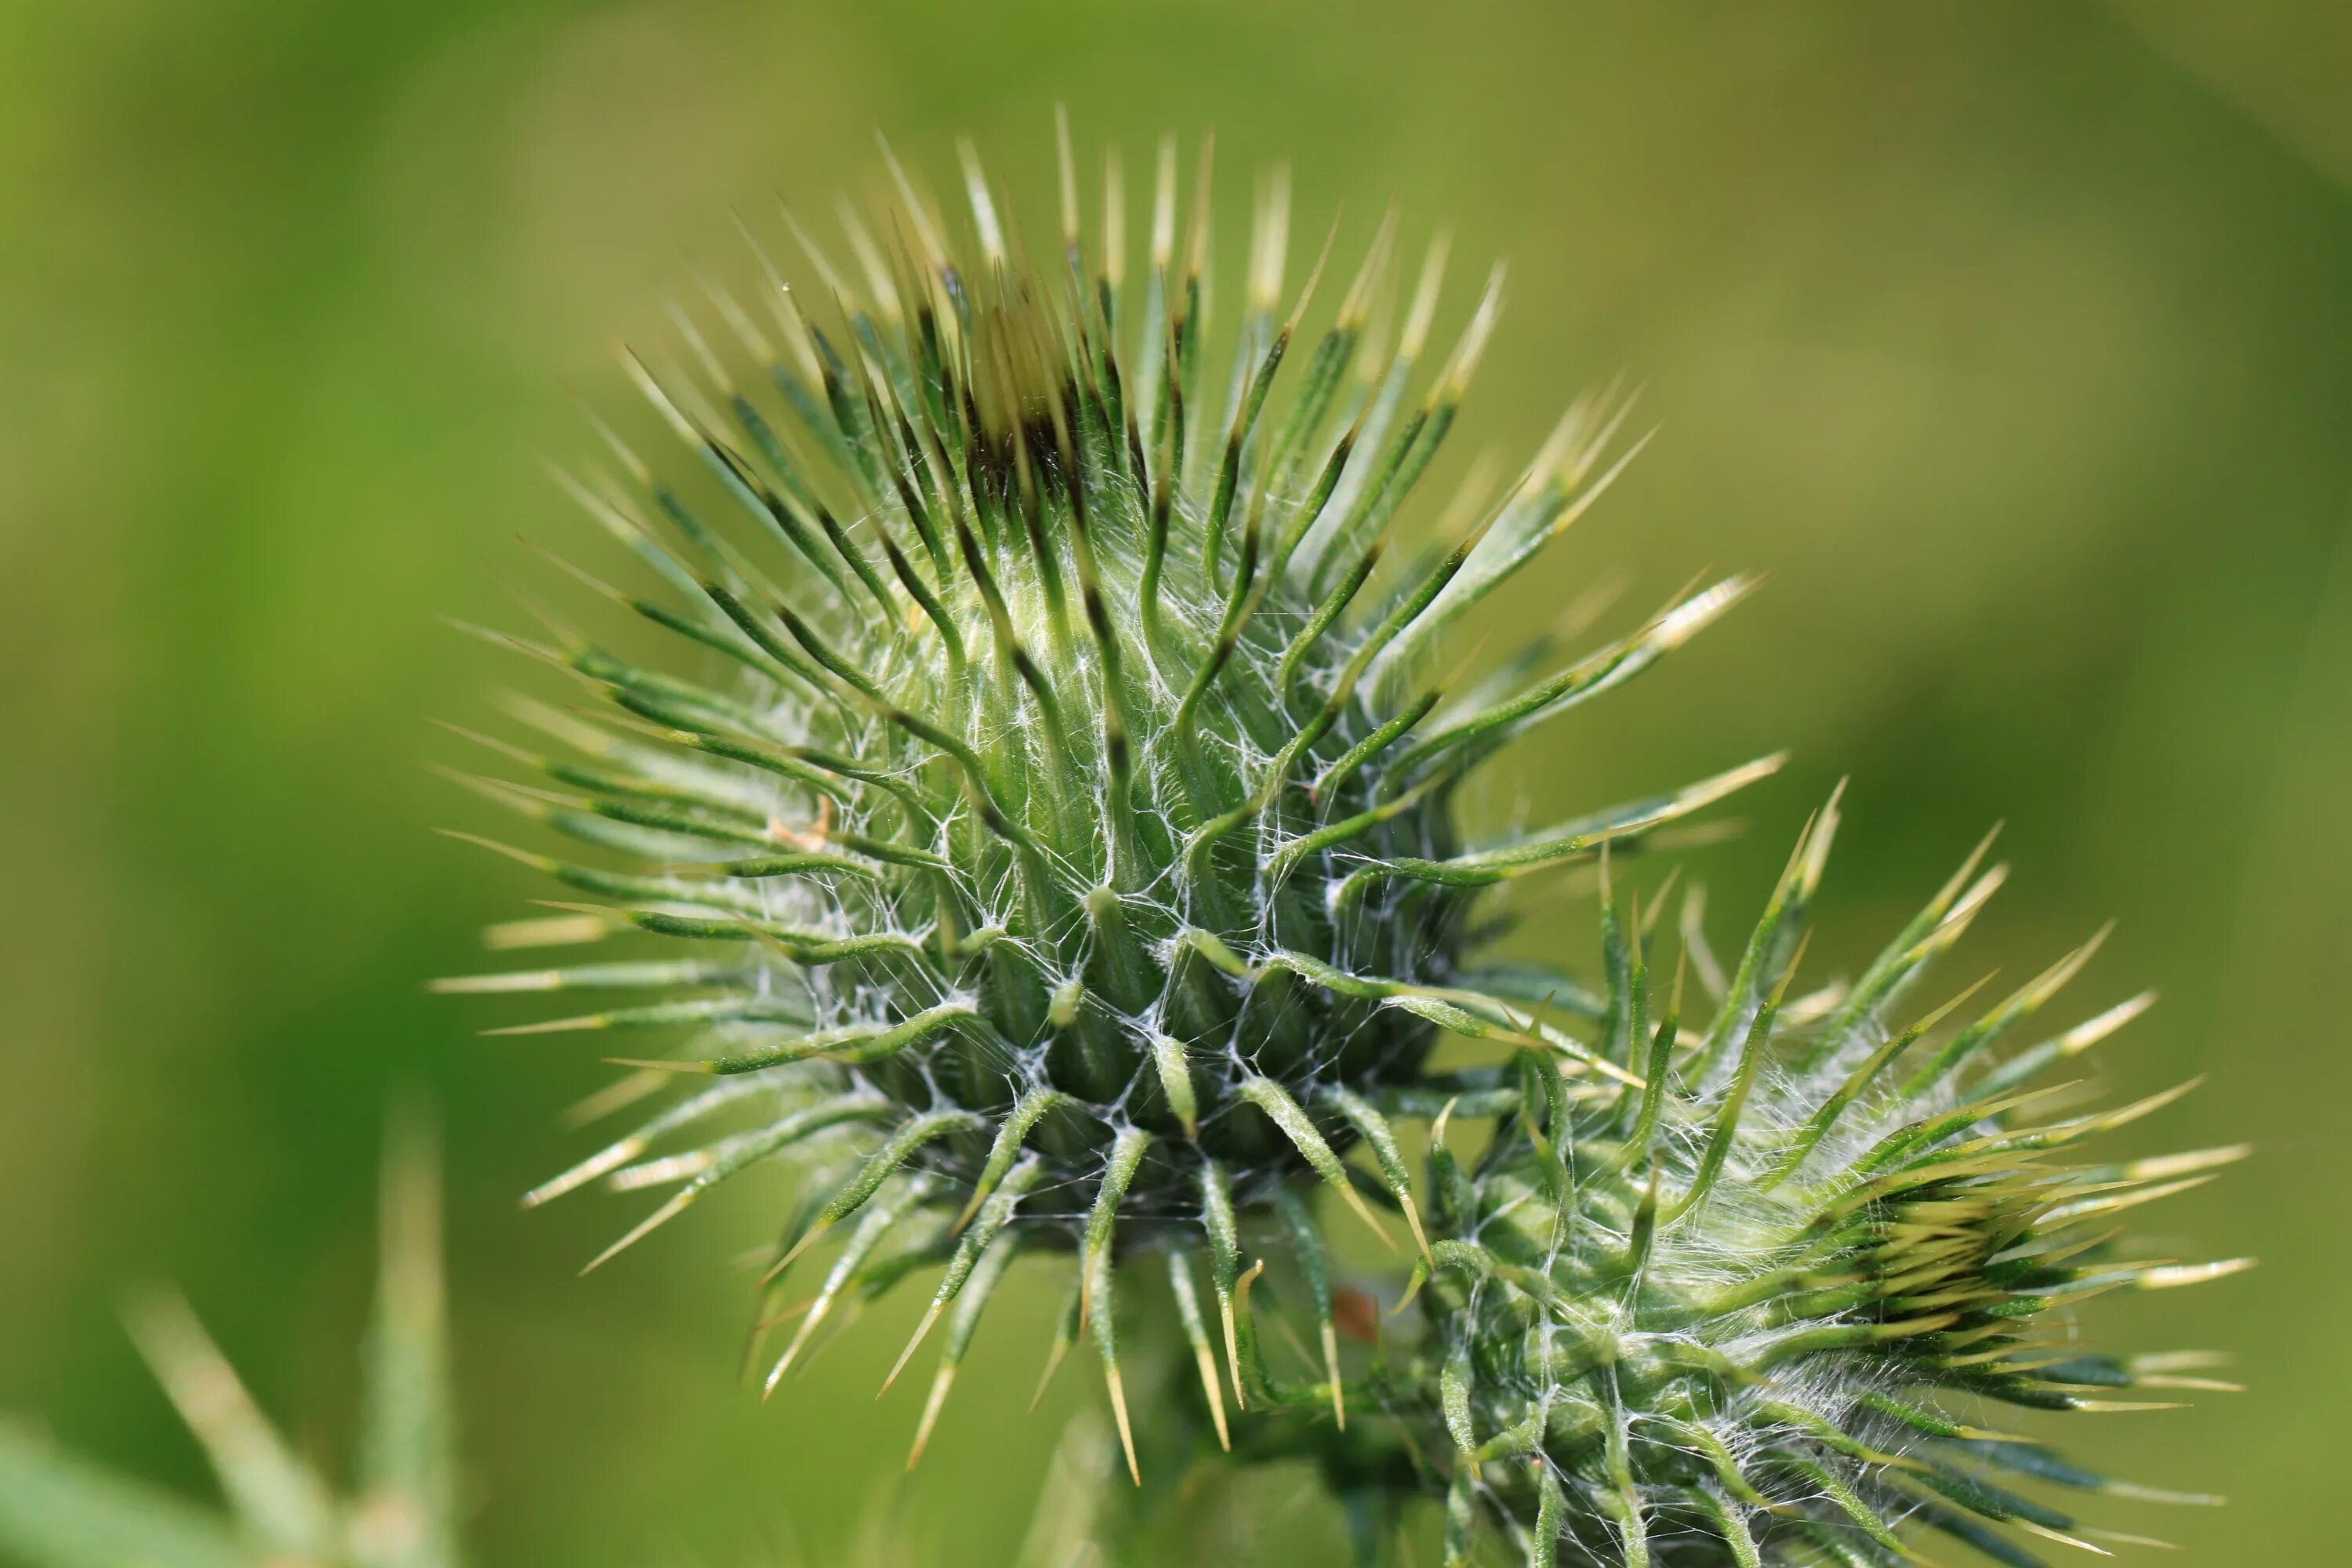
{"x": 1762, "y": 1296}
{"x": 1051, "y": 772}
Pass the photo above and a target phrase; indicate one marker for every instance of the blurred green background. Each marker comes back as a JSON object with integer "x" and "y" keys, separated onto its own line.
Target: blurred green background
{"x": 2014, "y": 340}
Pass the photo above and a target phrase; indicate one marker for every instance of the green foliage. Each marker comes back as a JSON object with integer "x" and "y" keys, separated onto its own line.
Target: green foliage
{"x": 402, "y": 1513}
{"x": 1060, "y": 805}
{"x": 57, "y": 1511}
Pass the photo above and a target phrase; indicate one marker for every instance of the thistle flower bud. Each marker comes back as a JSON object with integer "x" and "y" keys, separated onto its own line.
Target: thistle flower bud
{"x": 1055, "y": 796}
{"x": 1756, "y": 1298}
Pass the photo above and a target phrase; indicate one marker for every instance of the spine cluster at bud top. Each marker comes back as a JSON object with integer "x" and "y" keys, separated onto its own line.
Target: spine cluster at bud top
{"x": 1748, "y": 1299}
{"x": 1057, "y": 805}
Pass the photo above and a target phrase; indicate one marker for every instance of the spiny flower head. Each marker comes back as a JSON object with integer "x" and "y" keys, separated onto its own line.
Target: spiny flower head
{"x": 1756, "y": 1298}
{"x": 1057, "y": 793}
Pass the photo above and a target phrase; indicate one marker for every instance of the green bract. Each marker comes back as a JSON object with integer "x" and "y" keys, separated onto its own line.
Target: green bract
{"x": 1757, "y": 1299}
{"x": 1051, "y": 777}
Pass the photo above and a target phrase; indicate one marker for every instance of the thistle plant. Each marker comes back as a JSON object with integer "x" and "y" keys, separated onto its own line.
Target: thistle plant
{"x": 1059, "y": 816}
{"x": 1058, "y": 803}
{"x": 1749, "y": 1299}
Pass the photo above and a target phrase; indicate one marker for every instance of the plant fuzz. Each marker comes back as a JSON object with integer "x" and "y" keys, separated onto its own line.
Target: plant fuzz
{"x": 1061, "y": 811}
